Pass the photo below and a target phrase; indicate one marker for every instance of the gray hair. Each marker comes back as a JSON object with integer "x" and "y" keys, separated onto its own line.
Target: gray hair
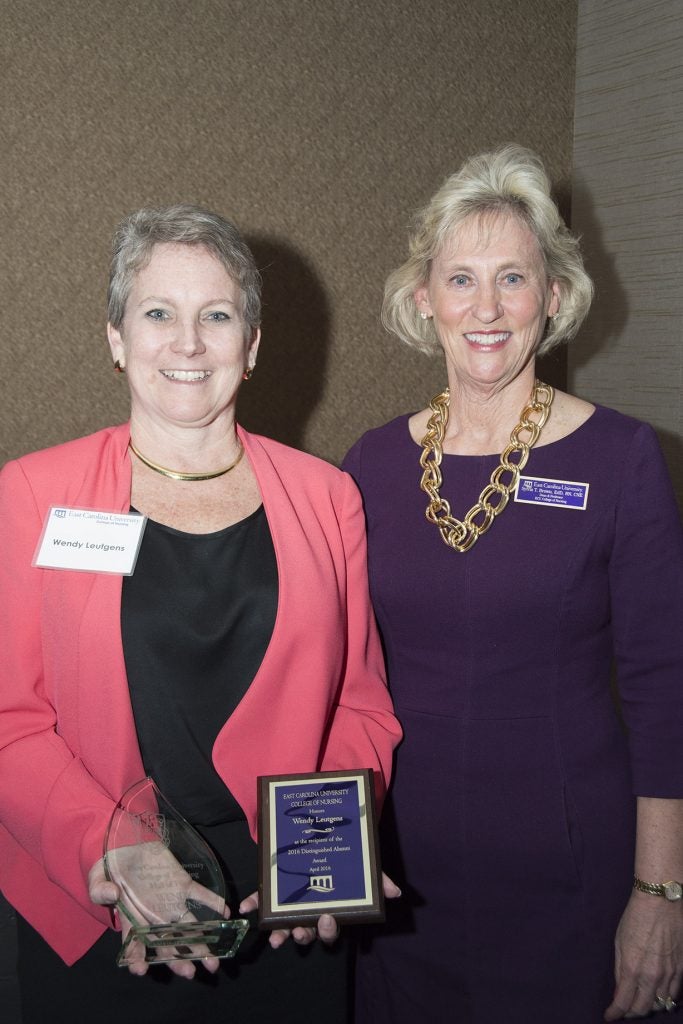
{"x": 137, "y": 235}
{"x": 513, "y": 181}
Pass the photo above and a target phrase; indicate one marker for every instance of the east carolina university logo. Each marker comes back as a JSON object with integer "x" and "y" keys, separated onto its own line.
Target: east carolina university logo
{"x": 152, "y": 826}
{"x": 321, "y": 883}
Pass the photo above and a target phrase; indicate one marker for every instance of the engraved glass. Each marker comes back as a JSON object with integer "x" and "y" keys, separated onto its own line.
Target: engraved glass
{"x": 172, "y": 890}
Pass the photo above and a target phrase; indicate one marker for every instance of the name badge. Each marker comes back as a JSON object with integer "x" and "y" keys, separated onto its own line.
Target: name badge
{"x": 536, "y": 490}
{"x": 87, "y": 540}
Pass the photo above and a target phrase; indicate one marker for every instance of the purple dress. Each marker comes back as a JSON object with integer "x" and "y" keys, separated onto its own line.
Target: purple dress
{"x": 510, "y": 826}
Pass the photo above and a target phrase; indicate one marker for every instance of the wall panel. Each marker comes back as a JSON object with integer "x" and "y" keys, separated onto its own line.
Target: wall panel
{"x": 628, "y": 205}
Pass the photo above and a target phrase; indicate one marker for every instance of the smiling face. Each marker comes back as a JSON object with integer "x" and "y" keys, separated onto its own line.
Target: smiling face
{"x": 490, "y": 298}
{"x": 183, "y": 341}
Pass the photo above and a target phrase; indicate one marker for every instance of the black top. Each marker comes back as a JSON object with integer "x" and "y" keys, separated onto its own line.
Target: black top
{"x": 196, "y": 619}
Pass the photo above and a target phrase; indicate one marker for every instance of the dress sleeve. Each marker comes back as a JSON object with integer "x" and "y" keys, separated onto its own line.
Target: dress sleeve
{"x": 646, "y": 589}
{"x": 363, "y": 730}
{"x": 49, "y": 804}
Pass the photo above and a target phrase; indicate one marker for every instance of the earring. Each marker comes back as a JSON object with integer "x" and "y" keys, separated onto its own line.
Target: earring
{"x": 423, "y": 315}
{"x": 118, "y": 367}
{"x": 248, "y": 373}
{"x": 554, "y": 317}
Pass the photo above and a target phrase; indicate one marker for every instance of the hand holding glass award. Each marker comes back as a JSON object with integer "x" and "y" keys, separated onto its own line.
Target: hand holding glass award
{"x": 172, "y": 890}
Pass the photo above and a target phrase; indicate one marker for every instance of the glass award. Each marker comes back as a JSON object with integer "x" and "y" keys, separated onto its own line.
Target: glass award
{"x": 172, "y": 889}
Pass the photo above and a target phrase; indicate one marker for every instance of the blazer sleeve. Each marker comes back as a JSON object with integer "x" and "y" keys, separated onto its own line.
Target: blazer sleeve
{"x": 646, "y": 591}
{"x": 363, "y": 730}
{"x": 48, "y": 802}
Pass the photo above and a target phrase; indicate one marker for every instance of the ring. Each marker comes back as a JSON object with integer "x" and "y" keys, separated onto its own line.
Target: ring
{"x": 664, "y": 1003}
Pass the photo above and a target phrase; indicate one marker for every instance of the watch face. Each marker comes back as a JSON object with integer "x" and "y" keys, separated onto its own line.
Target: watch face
{"x": 673, "y": 890}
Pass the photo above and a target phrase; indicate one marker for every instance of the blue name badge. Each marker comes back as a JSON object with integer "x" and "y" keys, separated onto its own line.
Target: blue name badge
{"x": 537, "y": 490}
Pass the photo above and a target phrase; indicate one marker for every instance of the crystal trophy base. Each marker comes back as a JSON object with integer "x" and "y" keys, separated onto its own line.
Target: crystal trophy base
{"x": 163, "y": 943}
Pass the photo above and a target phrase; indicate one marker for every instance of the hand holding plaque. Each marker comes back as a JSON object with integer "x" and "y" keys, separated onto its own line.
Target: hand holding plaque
{"x": 318, "y": 850}
{"x": 171, "y": 887}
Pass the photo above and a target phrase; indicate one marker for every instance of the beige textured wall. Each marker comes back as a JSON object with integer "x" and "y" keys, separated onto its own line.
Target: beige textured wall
{"x": 628, "y": 205}
{"x": 318, "y": 125}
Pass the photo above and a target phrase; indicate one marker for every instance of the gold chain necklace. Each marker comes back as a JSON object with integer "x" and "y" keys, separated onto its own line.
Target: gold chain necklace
{"x": 463, "y": 534}
{"x": 174, "y": 475}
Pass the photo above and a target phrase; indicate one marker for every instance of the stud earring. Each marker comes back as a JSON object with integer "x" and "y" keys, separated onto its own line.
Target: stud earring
{"x": 423, "y": 315}
{"x": 248, "y": 373}
{"x": 118, "y": 368}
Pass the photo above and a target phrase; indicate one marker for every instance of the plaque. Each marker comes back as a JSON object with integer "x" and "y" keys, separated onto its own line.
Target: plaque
{"x": 172, "y": 890}
{"x": 318, "y": 849}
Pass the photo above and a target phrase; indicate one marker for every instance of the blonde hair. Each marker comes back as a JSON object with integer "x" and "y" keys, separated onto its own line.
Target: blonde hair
{"x": 512, "y": 181}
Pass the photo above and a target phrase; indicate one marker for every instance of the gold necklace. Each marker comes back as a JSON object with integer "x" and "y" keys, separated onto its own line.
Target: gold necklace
{"x": 463, "y": 534}
{"x": 174, "y": 475}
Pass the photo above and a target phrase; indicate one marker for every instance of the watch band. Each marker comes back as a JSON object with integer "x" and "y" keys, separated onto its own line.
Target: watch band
{"x": 669, "y": 890}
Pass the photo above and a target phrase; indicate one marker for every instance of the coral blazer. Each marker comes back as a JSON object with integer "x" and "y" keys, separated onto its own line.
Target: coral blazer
{"x": 68, "y": 746}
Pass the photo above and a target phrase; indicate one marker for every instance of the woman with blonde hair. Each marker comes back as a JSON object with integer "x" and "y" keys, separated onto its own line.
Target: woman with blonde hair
{"x": 521, "y": 539}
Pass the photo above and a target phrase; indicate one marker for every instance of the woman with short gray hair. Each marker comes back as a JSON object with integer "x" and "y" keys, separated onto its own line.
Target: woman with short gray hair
{"x": 232, "y": 637}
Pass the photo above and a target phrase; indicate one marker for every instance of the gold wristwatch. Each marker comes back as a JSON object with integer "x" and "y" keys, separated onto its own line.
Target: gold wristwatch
{"x": 669, "y": 890}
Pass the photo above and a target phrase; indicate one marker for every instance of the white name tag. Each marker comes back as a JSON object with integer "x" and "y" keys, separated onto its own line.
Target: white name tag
{"x": 88, "y": 540}
{"x": 536, "y": 490}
